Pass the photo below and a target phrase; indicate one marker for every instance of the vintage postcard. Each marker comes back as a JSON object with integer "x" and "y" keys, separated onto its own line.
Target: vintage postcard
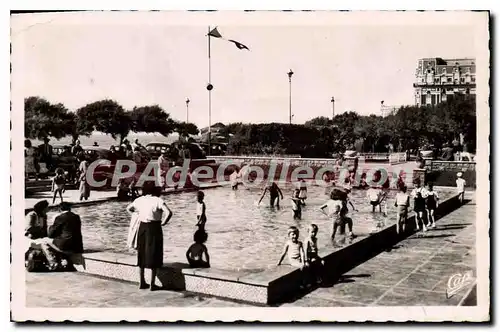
{"x": 251, "y": 166}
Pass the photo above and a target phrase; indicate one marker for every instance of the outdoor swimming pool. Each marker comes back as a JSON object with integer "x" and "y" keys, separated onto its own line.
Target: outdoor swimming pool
{"x": 241, "y": 235}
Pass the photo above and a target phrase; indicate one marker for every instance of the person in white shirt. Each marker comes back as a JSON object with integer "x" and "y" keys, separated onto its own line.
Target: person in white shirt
{"x": 376, "y": 197}
{"x": 302, "y": 187}
{"x": 419, "y": 195}
{"x": 234, "y": 178}
{"x": 460, "y": 187}
{"x": 402, "y": 203}
{"x": 152, "y": 213}
{"x": 163, "y": 168}
{"x": 201, "y": 210}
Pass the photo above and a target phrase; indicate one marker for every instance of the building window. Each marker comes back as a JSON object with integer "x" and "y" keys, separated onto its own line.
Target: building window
{"x": 436, "y": 80}
{"x": 422, "y": 100}
{"x": 444, "y": 70}
{"x": 449, "y": 80}
{"x": 433, "y": 99}
{"x": 467, "y": 91}
{"x": 473, "y": 78}
{"x": 462, "y": 79}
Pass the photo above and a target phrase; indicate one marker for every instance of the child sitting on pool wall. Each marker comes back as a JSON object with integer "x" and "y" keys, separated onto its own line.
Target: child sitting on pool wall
{"x": 197, "y": 250}
{"x": 294, "y": 249}
{"x": 312, "y": 258}
{"x": 201, "y": 210}
{"x": 296, "y": 205}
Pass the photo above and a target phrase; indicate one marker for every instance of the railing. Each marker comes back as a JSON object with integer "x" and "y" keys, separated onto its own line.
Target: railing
{"x": 364, "y": 156}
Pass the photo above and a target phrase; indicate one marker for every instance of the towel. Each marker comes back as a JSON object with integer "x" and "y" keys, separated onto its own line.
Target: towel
{"x": 132, "y": 231}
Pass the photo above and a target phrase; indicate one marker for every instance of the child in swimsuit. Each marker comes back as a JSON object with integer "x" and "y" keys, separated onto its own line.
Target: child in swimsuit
{"x": 302, "y": 192}
{"x": 294, "y": 249}
{"x": 312, "y": 258}
{"x": 402, "y": 203}
{"x": 197, "y": 251}
{"x": 201, "y": 210}
{"x": 58, "y": 183}
{"x": 335, "y": 207}
{"x": 274, "y": 193}
{"x": 419, "y": 195}
{"x": 296, "y": 205}
{"x": 432, "y": 204}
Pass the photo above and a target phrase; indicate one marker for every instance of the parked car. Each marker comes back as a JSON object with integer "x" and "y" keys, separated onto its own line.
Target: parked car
{"x": 62, "y": 158}
{"x": 155, "y": 149}
{"x": 195, "y": 150}
{"x": 94, "y": 152}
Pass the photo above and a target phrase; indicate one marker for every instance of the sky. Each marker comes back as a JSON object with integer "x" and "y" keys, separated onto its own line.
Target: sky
{"x": 161, "y": 58}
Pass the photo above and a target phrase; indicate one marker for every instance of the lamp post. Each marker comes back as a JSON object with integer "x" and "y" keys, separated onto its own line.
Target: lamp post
{"x": 333, "y": 107}
{"x": 290, "y": 73}
{"x": 187, "y": 110}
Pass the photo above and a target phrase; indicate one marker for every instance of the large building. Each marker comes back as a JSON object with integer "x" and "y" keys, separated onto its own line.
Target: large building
{"x": 438, "y": 78}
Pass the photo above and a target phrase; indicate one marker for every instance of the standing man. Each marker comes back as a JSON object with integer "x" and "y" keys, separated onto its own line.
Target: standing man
{"x": 77, "y": 148}
{"x": 46, "y": 151}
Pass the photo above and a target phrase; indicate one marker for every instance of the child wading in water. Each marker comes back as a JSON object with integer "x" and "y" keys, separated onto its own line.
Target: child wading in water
{"x": 197, "y": 250}
{"x": 402, "y": 203}
{"x": 335, "y": 207}
{"x": 432, "y": 204}
{"x": 312, "y": 258}
{"x": 296, "y": 205}
{"x": 201, "y": 211}
{"x": 58, "y": 182}
{"x": 302, "y": 187}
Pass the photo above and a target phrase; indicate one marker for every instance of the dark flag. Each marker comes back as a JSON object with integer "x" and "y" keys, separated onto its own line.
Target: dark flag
{"x": 239, "y": 45}
{"x": 216, "y": 34}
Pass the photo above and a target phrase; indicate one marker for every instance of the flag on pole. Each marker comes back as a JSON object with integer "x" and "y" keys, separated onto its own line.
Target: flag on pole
{"x": 216, "y": 34}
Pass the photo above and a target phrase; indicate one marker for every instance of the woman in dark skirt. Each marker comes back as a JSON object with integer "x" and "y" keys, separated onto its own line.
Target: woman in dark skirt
{"x": 153, "y": 213}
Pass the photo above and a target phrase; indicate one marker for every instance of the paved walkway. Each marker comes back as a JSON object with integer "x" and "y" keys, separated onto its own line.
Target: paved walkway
{"x": 415, "y": 272}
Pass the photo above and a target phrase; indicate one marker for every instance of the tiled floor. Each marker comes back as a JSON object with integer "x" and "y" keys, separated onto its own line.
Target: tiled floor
{"x": 415, "y": 272}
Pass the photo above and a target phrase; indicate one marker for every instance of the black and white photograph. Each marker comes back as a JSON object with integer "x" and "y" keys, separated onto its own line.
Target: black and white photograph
{"x": 250, "y": 166}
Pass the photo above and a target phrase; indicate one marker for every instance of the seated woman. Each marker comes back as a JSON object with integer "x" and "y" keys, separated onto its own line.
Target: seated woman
{"x": 197, "y": 250}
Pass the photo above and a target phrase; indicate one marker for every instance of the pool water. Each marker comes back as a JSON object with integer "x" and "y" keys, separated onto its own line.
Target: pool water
{"x": 241, "y": 235}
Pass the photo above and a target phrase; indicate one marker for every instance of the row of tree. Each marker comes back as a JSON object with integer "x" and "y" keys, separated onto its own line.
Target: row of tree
{"x": 43, "y": 119}
{"x": 408, "y": 128}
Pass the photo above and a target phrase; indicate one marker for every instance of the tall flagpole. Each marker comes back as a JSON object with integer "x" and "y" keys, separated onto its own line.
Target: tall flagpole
{"x": 209, "y": 88}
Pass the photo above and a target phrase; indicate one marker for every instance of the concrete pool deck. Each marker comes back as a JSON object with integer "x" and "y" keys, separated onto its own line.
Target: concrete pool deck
{"x": 414, "y": 272}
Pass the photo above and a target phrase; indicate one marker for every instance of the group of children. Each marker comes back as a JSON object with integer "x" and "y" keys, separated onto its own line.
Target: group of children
{"x": 425, "y": 200}
{"x": 304, "y": 258}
